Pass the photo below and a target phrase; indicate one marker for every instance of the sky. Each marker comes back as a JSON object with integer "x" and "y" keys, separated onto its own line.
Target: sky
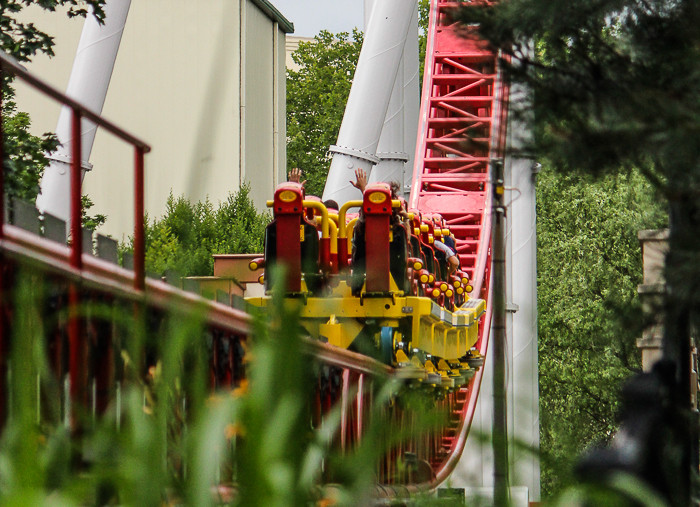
{"x": 312, "y": 16}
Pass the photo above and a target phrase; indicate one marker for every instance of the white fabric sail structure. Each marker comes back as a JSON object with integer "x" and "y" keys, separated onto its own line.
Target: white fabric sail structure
{"x": 370, "y": 97}
{"x": 88, "y": 83}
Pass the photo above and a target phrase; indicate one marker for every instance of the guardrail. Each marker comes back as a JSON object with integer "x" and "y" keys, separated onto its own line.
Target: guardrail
{"x": 9, "y": 66}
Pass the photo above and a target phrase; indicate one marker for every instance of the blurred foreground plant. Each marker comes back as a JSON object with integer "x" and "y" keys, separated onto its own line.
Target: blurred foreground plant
{"x": 165, "y": 438}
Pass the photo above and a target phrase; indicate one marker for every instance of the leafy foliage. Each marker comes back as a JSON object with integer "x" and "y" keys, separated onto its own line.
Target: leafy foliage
{"x": 615, "y": 86}
{"x": 187, "y": 236}
{"x": 589, "y": 266}
{"x": 24, "y": 40}
{"x": 615, "y": 82}
{"x": 169, "y": 440}
{"x": 316, "y": 98}
{"x": 423, "y": 20}
{"x": 91, "y": 222}
{"x": 25, "y": 154}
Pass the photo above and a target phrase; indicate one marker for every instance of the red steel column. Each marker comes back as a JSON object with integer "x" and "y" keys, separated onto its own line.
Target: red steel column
{"x": 76, "y": 342}
{"x": 342, "y": 254}
{"x": 139, "y": 234}
{"x": 76, "y": 231}
{"x": 325, "y": 255}
{"x": 377, "y": 210}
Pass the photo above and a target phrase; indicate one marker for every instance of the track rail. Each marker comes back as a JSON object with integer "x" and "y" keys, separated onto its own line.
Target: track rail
{"x": 462, "y": 128}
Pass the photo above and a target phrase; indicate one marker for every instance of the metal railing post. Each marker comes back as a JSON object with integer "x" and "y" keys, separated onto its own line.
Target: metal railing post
{"x": 500, "y": 415}
{"x": 76, "y": 231}
{"x": 139, "y": 233}
{"x": 76, "y": 370}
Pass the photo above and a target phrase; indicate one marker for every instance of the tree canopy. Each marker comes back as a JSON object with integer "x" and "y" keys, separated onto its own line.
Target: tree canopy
{"x": 616, "y": 89}
{"x": 316, "y": 98}
{"x": 589, "y": 315}
{"x": 24, "y": 40}
{"x": 25, "y": 153}
{"x": 615, "y": 82}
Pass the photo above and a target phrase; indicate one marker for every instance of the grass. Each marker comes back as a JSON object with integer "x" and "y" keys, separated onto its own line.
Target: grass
{"x": 166, "y": 439}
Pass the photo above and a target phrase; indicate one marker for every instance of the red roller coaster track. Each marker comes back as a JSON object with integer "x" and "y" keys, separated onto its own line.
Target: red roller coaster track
{"x": 462, "y": 127}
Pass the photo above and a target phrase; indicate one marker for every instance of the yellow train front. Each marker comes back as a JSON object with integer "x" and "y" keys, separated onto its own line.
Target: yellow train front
{"x": 374, "y": 283}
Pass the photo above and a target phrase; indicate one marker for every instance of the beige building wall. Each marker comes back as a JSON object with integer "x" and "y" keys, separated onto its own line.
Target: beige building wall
{"x": 204, "y": 89}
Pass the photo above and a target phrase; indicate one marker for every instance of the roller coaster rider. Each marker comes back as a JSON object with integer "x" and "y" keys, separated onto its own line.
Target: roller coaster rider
{"x": 450, "y": 254}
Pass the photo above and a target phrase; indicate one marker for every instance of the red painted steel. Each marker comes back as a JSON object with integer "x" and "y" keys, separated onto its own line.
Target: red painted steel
{"x": 9, "y": 65}
{"x": 343, "y": 259}
{"x": 76, "y": 351}
{"x": 325, "y": 254}
{"x": 377, "y": 210}
{"x": 288, "y": 211}
{"x": 76, "y": 177}
{"x": 289, "y": 249}
{"x": 462, "y": 127}
{"x": 139, "y": 233}
{"x": 76, "y": 338}
{"x": 98, "y": 274}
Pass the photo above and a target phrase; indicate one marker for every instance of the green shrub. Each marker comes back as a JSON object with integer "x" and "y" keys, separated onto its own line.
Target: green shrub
{"x": 187, "y": 236}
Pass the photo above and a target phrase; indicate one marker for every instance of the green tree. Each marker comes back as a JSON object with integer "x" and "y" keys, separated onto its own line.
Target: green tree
{"x": 24, "y": 40}
{"x": 25, "y": 154}
{"x": 187, "y": 236}
{"x": 423, "y": 20}
{"x": 316, "y": 98}
{"x": 94, "y": 221}
{"x": 589, "y": 316}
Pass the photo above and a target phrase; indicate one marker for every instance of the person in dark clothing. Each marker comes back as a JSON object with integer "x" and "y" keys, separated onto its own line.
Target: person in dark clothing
{"x": 331, "y": 205}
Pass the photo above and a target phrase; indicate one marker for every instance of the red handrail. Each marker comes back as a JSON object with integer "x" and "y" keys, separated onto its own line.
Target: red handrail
{"x": 76, "y": 338}
{"x": 10, "y": 65}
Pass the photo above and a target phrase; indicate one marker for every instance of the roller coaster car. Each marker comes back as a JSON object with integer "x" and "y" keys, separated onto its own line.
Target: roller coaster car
{"x": 386, "y": 298}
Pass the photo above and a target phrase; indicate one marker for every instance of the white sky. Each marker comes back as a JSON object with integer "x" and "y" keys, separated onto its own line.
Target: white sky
{"x": 312, "y": 16}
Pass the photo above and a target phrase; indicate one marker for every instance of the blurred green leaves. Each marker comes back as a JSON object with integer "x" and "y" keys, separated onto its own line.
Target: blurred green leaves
{"x": 25, "y": 154}
{"x": 166, "y": 438}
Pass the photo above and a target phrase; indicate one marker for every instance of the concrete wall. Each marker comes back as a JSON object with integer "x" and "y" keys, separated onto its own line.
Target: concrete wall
{"x": 185, "y": 77}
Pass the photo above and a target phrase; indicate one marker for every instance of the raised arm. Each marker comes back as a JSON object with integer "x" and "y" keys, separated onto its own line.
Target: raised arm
{"x": 361, "y": 180}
